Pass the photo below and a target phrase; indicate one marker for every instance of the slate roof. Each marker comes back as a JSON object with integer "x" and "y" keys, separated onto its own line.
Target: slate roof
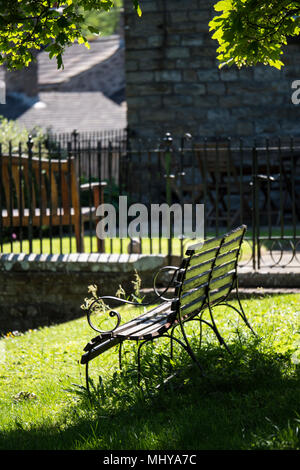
{"x": 77, "y": 59}
{"x": 64, "y": 111}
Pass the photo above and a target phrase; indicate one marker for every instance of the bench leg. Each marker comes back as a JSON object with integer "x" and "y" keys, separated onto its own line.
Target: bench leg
{"x": 171, "y": 336}
{"x": 243, "y": 315}
{"x": 120, "y": 356}
{"x": 87, "y": 384}
{"x": 139, "y": 359}
{"x": 171, "y": 342}
{"x": 216, "y": 331}
{"x": 189, "y": 349}
{"x": 240, "y": 311}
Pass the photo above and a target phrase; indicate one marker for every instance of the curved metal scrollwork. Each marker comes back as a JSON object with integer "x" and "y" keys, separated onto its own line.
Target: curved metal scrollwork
{"x": 112, "y": 313}
{"x": 171, "y": 283}
{"x": 282, "y": 252}
{"x": 105, "y": 309}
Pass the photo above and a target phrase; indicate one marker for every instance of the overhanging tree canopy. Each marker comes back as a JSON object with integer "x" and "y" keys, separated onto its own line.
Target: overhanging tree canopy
{"x": 27, "y": 26}
{"x": 248, "y": 31}
{"x": 254, "y": 31}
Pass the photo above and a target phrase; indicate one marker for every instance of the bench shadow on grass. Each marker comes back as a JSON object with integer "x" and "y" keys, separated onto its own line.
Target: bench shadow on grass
{"x": 238, "y": 404}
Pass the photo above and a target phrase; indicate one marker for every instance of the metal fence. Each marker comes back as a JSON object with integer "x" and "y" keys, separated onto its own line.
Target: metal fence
{"x": 50, "y": 191}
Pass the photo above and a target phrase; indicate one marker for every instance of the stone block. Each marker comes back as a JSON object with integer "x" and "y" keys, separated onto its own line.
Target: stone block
{"x": 149, "y": 89}
{"x": 216, "y": 88}
{"x": 210, "y": 75}
{"x": 190, "y": 89}
{"x": 229, "y": 75}
{"x": 190, "y": 76}
{"x": 177, "y": 52}
{"x": 140, "y": 76}
{"x": 192, "y": 40}
{"x": 168, "y": 76}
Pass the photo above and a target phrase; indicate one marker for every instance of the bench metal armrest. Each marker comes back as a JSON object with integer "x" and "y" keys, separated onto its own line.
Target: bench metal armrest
{"x": 171, "y": 283}
{"x": 105, "y": 309}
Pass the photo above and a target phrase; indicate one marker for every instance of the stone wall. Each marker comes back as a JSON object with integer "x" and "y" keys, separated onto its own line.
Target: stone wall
{"x": 41, "y": 290}
{"x": 23, "y": 81}
{"x": 174, "y": 83}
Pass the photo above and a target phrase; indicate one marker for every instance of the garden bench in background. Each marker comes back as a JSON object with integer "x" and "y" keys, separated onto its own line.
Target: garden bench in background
{"x": 39, "y": 192}
{"x": 206, "y": 277}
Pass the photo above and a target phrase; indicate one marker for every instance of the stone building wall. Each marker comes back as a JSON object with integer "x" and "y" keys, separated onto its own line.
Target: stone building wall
{"x": 174, "y": 83}
{"x": 23, "y": 81}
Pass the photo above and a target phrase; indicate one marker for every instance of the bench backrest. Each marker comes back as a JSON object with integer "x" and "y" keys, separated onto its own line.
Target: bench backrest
{"x": 208, "y": 273}
{"x": 215, "y": 158}
{"x": 37, "y": 183}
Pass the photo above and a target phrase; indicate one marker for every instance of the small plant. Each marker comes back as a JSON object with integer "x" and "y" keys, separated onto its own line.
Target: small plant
{"x": 137, "y": 283}
{"x": 287, "y": 438}
{"x": 12, "y": 134}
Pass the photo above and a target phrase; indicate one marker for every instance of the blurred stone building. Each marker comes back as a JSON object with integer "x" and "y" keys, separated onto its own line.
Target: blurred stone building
{"x": 173, "y": 82}
{"x": 87, "y": 95}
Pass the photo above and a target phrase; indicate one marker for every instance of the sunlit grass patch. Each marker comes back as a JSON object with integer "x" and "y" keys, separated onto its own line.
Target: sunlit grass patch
{"x": 247, "y": 400}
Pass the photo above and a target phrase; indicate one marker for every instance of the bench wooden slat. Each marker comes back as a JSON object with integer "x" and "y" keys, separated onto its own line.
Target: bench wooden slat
{"x": 207, "y": 266}
{"x": 151, "y": 318}
{"x": 199, "y": 269}
{"x": 207, "y": 245}
{"x": 99, "y": 349}
{"x": 227, "y": 264}
{"x": 220, "y": 294}
{"x": 195, "y": 282}
{"x": 163, "y": 323}
{"x": 204, "y": 279}
{"x": 229, "y": 246}
{"x": 201, "y": 303}
{"x": 223, "y": 268}
{"x": 135, "y": 325}
{"x": 214, "y": 284}
{"x": 220, "y": 281}
{"x": 237, "y": 233}
{"x": 195, "y": 305}
{"x": 193, "y": 294}
{"x": 226, "y": 257}
{"x": 198, "y": 263}
{"x": 215, "y": 242}
{"x": 202, "y": 257}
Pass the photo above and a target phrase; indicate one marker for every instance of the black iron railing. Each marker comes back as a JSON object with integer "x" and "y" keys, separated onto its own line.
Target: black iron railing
{"x": 50, "y": 191}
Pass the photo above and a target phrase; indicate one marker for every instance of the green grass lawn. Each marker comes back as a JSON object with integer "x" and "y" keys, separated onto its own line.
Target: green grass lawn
{"x": 67, "y": 244}
{"x": 250, "y": 400}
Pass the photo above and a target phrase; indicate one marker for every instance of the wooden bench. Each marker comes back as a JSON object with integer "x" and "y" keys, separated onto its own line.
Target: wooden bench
{"x": 206, "y": 277}
{"x": 39, "y": 191}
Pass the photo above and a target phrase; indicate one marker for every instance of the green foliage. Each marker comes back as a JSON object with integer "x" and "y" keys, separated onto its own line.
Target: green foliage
{"x": 251, "y": 32}
{"x": 27, "y": 26}
{"x": 13, "y": 134}
{"x": 105, "y": 21}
